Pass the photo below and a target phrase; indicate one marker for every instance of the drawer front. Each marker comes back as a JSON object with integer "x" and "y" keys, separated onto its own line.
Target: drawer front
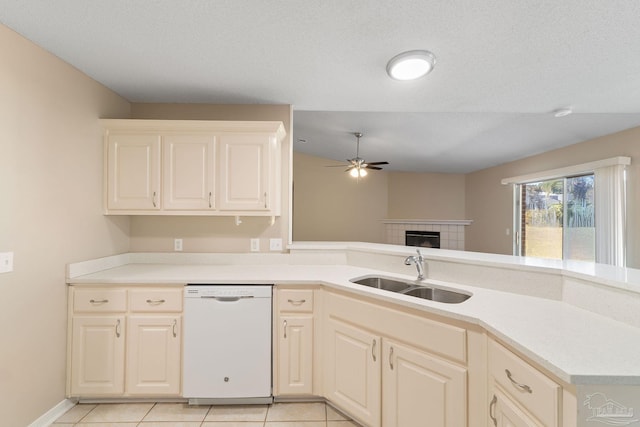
{"x": 530, "y": 387}
{"x": 99, "y": 300}
{"x": 295, "y": 300}
{"x": 155, "y": 300}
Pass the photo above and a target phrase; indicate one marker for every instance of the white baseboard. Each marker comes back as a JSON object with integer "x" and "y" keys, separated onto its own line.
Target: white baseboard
{"x": 53, "y": 414}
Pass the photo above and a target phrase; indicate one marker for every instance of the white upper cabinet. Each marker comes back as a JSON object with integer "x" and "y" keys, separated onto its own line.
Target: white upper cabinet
{"x": 245, "y": 172}
{"x": 189, "y": 172}
{"x": 178, "y": 167}
{"x": 133, "y": 171}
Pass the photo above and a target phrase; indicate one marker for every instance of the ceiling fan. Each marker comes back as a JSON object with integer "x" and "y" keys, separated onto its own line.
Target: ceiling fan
{"x": 357, "y": 166}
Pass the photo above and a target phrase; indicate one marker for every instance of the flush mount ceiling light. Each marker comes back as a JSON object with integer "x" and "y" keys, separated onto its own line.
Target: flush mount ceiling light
{"x": 562, "y": 112}
{"x": 411, "y": 65}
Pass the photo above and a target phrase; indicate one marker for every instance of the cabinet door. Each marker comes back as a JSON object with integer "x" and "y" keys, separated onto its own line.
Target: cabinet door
{"x": 295, "y": 355}
{"x": 504, "y": 412}
{"x": 245, "y": 168}
{"x": 352, "y": 358}
{"x": 153, "y": 355}
{"x": 97, "y": 356}
{"x": 133, "y": 172}
{"x": 417, "y": 387}
{"x": 189, "y": 172}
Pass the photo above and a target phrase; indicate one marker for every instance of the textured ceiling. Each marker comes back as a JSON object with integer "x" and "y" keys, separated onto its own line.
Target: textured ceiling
{"x": 502, "y": 67}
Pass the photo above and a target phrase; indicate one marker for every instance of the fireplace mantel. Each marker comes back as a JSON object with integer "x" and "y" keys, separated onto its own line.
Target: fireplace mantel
{"x": 429, "y": 221}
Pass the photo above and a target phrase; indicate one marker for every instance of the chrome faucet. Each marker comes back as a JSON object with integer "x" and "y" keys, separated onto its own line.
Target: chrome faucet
{"x": 418, "y": 261}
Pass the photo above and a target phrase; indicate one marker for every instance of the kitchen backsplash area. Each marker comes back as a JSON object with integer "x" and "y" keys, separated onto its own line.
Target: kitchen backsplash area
{"x": 451, "y": 231}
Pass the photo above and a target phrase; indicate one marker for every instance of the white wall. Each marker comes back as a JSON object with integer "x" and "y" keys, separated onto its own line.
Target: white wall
{"x": 50, "y": 214}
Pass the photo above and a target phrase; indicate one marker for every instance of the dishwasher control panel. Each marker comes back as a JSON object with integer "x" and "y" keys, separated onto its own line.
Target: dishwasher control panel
{"x": 223, "y": 291}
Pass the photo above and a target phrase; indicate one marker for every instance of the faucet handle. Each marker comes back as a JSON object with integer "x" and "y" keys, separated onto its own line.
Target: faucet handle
{"x": 420, "y": 258}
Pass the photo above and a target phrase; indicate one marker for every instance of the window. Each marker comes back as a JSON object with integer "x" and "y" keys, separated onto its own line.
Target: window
{"x": 576, "y": 212}
{"x": 557, "y": 218}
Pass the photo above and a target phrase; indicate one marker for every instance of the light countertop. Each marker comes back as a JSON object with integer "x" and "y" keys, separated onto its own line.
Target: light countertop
{"x": 576, "y": 345}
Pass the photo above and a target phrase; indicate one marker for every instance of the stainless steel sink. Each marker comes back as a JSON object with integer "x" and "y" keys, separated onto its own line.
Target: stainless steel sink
{"x": 384, "y": 283}
{"x": 412, "y": 289}
{"x": 436, "y": 294}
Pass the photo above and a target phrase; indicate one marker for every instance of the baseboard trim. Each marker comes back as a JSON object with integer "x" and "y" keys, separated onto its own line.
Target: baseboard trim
{"x": 54, "y": 413}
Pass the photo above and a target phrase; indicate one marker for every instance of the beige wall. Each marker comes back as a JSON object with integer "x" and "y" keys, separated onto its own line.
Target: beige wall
{"x": 50, "y": 215}
{"x": 330, "y": 205}
{"x": 214, "y": 234}
{"x": 426, "y": 196}
{"x": 490, "y": 204}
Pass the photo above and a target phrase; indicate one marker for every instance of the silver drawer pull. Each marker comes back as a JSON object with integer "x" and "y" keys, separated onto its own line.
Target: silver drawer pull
{"x": 373, "y": 350}
{"x": 296, "y": 301}
{"x": 521, "y": 386}
{"x": 102, "y": 301}
{"x": 492, "y": 407}
{"x": 285, "y": 329}
{"x": 175, "y": 323}
{"x": 391, "y": 358}
{"x": 118, "y": 328}
{"x": 155, "y": 301}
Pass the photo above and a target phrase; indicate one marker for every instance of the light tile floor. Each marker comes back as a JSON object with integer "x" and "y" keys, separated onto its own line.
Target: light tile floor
{"x": 183, "y": 415}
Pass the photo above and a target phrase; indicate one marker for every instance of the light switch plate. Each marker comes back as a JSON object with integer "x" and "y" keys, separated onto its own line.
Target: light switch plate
{"x": 177, "y": 245}
{"x": 6, "y": 262}
{"x": 255, "y": 245}
{"x": 275, "y": 244}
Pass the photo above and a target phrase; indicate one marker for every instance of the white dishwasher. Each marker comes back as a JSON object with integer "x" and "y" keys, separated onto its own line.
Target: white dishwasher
{"x": 227, "y": 344}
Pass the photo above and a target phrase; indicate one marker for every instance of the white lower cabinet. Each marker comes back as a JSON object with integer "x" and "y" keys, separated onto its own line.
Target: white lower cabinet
{"x": 97, "y": 355}
{"x": 418, "y": 388}
{"x": 352, "y": 372}
{"x": 294, "y": 342}
{"x": 153, "y": 355}
{"x": 520, "y": 394}
{"x": 124, "y": 341}
{"x": 505, "y": 412}
{"x": 381, "y": 381}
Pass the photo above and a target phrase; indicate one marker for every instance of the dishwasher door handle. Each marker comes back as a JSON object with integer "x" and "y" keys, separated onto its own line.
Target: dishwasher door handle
{"x": 227, "y": 299}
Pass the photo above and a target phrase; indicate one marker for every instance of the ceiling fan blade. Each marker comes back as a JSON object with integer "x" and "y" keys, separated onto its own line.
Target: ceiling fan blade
{"x": 375, "y": 168}
{"x": 334, "y": 166}
{"x": 377, "y": 163}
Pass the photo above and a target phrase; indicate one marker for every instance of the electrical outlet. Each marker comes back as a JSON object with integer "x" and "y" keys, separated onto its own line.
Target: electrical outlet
{"x": 275, "y": 244}
{"x": 6, "y": 262}
{"x": 255, "y": 245}
{"x": 177, "y": 245}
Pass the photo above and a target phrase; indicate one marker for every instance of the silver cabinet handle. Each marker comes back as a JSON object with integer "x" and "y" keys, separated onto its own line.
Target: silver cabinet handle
{"x": 156, "y": 301}
{"x": 521, "y": 386}
{"x": 492, "y": 407}
{"x": 175, "y": 323}
{"x": 391, "y": 358}
{"x": 296, "y": 301}
{"x": 209, "y": 199}
{"x": 285, "y": 329}
{"x": 373, "y": 350}
{"x": 153, "y": 200}
{"x": 265, "y": 200}
{"x": 101, "y": 301}
{"x": 118, "y": 328}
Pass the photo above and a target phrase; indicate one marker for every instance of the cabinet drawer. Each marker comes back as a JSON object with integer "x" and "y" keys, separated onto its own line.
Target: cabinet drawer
{"x": 99, "y": 300}
{"x": 295, "y": 300}
{"x": 155, "y": 300}
{"x": 527, "y": 385}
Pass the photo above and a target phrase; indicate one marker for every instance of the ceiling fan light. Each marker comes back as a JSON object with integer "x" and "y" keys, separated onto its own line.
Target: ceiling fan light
{"x": 354, "y": 172}
{"x": 411, "y": 65}
{"x": 363, "y": 173}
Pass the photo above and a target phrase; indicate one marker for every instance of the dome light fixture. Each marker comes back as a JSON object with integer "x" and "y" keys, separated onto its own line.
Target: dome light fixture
{"x": 562, "y": 112}
{"x": 411, "y": 65}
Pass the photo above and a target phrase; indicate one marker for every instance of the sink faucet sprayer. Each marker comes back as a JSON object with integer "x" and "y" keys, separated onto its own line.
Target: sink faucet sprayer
{"x": 418, "y": 261}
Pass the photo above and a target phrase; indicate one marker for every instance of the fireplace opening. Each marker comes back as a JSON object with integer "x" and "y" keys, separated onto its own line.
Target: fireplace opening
{"x": 423, "y": 239}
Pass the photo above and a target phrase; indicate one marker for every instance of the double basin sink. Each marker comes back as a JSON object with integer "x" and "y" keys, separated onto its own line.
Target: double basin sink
{"x": 412, "y": 289}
